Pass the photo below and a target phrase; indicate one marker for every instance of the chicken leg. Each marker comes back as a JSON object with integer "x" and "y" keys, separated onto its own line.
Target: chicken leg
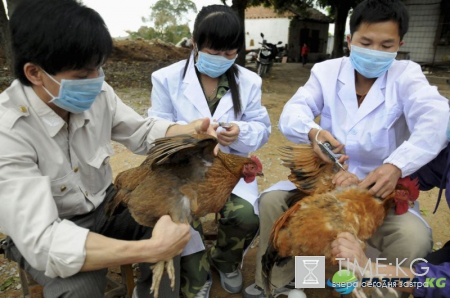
{"x": 158, "y": 271}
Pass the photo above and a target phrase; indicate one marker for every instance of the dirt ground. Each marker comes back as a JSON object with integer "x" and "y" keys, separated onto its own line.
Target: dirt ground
{"x": 129, "y": 70}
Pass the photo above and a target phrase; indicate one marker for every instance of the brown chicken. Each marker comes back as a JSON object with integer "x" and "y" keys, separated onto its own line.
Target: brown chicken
{"x": 320, "y": 211}
{"x": 181, "y": 177}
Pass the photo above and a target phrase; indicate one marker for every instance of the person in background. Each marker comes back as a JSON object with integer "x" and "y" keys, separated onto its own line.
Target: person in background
{"x": 386, "y": 116}
{"x": 58, "y": 118}
{"x": 305, "y": 52}
{"x": 210, "y": 84}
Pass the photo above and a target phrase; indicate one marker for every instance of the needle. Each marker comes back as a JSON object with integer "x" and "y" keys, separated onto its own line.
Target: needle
{"x": 326, "y": 149}
{"x": 225, "y": 124}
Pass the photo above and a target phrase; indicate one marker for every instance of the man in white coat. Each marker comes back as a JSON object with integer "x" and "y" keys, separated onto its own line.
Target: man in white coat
{"x": 385, "y": 114}
{"x": 210, "y": 85}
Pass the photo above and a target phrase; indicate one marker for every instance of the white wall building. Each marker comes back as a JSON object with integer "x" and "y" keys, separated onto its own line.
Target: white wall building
{"x": 274, "y": 30}
{"x": 292, "y": 28}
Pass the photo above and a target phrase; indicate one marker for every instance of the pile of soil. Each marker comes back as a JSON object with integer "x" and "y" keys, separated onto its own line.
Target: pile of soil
{"x": 133, "y": 61}
{"x": 130, "y": 65}
{"x": 147, "y": 50}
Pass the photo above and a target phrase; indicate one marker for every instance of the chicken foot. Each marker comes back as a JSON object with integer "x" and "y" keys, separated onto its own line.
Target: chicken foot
{"x": 171, "y": 273}
{"x": 158, "y": 271}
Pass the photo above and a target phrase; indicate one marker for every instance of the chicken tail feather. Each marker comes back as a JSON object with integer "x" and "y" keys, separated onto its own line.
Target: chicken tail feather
{"x": 307, "y": 168}
{"x": 180, "y": 148}
{"x": 114, "y": 201}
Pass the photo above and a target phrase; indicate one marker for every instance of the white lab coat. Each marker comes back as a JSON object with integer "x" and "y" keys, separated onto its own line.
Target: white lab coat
{"x": 182, "y": 100}
{"x": 402, "y": 120}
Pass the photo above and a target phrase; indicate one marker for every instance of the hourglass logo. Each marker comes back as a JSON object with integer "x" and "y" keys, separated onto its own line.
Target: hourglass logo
{"x": 310, "y": 272}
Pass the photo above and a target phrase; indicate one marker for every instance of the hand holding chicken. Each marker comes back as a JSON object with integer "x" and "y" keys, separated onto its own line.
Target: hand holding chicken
{"x": 321, "y": 210}
{"x": 183, "y": 178}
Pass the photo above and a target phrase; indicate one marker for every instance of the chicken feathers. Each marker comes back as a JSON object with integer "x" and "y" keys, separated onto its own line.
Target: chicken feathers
{"x": 183, "y": 178}
{"x": 321, "y": 212}
{"x": 309, "y": 172}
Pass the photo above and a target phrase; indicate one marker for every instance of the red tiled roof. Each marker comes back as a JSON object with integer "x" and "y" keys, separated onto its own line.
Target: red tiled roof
{"x": 261, "y": 12}
{"x": 309, "y": 13}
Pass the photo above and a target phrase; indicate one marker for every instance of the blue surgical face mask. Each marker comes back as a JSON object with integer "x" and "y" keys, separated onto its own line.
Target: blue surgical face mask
{"x": 371, "y": 63}
{"x": 213, "y": 65}
{"x": 77, "y": 96}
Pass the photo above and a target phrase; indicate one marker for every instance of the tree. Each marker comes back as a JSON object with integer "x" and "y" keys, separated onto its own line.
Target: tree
{"x": 175, "y": 33}
{"x": 239, "y": 7}
{"x": 5, "y": 40}
{"x": 278, "y": 5}
{"x": 144, "y": 32}
{"x": 339, "y": 8}
{"x": 167, "y": 16}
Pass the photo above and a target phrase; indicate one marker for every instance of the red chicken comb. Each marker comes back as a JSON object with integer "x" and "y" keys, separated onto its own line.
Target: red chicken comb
{"x": 412, "y": 185}
{"x": 258, "y": 163}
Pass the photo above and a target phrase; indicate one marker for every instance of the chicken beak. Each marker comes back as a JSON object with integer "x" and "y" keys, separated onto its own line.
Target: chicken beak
{"x": 260, "y": 174}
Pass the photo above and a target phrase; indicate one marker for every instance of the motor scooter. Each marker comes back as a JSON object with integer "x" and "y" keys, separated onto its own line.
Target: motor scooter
{"x": 266, "y": 56}
{"x": 250, "y": 56}
{"x": 281, "y": 52}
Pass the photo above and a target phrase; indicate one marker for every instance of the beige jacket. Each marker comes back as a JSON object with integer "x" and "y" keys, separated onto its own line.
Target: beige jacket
{"x": 51, "y": 171}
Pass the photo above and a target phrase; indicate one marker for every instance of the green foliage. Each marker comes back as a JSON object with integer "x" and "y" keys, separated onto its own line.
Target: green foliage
{"x": 169, "y": 13}
{"x": 172, "y": 33}
{"x": 144, "y": 32}
{"x": 281, "y": 5}
{"x": 333, "y": 5}
{"x": 175, "y": 33}
{"x": 166, "y": 16}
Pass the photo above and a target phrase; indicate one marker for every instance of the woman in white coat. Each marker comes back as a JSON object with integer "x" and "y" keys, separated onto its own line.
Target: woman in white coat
{"x": 209, "y": 84}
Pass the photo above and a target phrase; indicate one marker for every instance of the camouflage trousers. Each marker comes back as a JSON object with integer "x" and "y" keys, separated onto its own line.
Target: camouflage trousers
{"x": 237, "y": 227}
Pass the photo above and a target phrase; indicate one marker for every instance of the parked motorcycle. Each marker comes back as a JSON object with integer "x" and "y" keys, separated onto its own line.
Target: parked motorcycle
{"x": 281, "y": 52}
{"x": 266, "y": 56}
{"x": 251, "y": 55}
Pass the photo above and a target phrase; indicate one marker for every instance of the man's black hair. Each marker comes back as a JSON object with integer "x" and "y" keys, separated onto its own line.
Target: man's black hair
{"x": 376, "y": 11}
{"x": 218, "y": 27}
{"x": 57, "y": 35}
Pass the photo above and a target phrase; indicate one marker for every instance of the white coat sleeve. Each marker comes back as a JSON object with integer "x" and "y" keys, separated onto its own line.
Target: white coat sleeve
{"x": 131, "y": 129}
{"x": 161, "y": 101}
{"x": 254, "y": 124}
{"x": 297, "y": 118}
{"x": 426, "y": 113}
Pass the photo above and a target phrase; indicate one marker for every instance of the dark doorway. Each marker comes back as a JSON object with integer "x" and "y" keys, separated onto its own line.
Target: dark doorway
{"x": 314, "y": 41}
{"x": 304, "y": 37}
